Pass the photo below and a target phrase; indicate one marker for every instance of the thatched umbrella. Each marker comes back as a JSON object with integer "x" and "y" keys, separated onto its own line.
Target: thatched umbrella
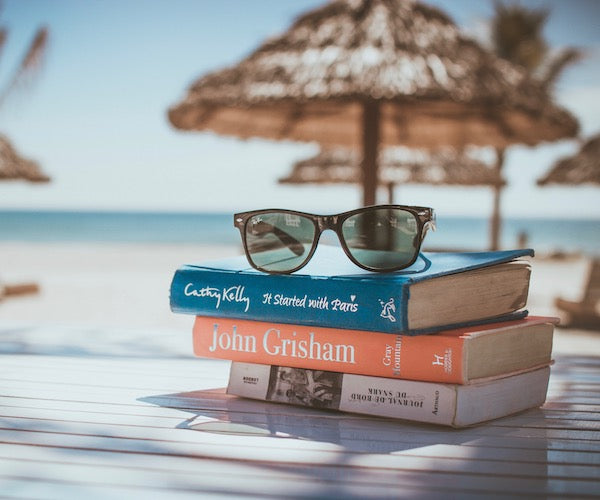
{"x": 14, "y": 166}
{"x": 398, "y": 165}
{"x": 369, "y": 73}
{"x": 581, "y": 168}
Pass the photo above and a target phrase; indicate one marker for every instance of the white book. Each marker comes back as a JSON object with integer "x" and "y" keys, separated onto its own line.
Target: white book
{"x": 444, "y": 404}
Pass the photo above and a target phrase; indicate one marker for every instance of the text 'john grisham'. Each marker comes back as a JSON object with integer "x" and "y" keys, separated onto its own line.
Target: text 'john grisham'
{"x": 236, "y": 294}
{"x": 274, "y": 343}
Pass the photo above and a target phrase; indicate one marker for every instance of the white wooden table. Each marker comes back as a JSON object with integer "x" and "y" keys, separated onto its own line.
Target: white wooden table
{"x": 92, "y": 414}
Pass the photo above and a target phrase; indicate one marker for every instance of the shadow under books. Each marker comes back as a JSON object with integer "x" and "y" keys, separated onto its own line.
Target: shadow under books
{"x": 213, "y": 411}
{"x": 514, "y": 445}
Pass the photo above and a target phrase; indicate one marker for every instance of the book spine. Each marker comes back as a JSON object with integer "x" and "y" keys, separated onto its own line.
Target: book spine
{"x": 403, "y": 399}
{"x": 435, "y": 358}
{"x": 338, "y": 303}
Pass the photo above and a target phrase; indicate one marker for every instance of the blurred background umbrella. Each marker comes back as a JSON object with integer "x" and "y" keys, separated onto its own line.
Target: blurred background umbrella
{"x": 398, "y": 165}
{"x": 581, "y": 168}
{"x": 366, "y": 74}
{"x": 13, "y": 166}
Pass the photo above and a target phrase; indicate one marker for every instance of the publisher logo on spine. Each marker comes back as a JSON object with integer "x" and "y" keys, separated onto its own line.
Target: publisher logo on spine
{"x": 388, "y": 309}
{"x": 444, "y": 360}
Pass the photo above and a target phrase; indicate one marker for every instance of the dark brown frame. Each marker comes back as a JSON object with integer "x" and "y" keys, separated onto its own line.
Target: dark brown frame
{"x": 424, "y": 216}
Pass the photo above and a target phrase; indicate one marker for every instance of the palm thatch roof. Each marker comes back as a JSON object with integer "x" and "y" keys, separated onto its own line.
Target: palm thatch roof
{"x": 13, "y": 166}
{"x": 399, "y": 165}
{"x": 581, "y": 168}
{"x": 433, "y": 85}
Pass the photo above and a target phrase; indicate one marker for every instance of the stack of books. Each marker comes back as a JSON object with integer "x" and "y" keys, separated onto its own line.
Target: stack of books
{"x": 446, "y": 341}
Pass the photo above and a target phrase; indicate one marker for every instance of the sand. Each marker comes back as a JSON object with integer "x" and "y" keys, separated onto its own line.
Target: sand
{"x": 106, "y": 285}
{"x": 126, "y": 286}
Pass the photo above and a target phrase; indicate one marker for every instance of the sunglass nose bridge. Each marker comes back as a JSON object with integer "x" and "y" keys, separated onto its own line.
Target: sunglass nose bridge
{"x": 327, "y": 222}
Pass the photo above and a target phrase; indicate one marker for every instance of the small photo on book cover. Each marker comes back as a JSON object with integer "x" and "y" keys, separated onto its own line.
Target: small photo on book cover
{"x": 316, "y": 388}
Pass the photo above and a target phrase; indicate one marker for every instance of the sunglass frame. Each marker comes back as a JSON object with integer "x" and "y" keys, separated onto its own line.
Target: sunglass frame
{"x": 425, "y": 217}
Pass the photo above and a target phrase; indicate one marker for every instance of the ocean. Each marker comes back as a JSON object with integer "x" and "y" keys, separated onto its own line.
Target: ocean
{"x": 465, "y": 233}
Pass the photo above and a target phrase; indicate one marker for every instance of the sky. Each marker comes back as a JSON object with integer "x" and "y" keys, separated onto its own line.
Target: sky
{"x": 95, "y": 118}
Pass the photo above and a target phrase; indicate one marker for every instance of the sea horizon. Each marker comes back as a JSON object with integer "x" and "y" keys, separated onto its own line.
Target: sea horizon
{"x": 548, "y": 235}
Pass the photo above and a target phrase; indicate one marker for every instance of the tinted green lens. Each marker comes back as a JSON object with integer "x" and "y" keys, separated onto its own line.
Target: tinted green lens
{"x": 384, "y": 238}
{"x": 279, "y": 241}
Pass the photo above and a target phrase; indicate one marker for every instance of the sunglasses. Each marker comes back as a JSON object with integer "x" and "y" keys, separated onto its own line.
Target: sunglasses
{"x": 379, "y": 238}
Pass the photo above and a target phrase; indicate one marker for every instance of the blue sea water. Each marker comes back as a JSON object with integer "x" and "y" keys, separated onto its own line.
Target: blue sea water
{"x": 544, "y": 235}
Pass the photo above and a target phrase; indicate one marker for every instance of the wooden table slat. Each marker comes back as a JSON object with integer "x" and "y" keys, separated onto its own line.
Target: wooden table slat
{"x": 204, "y": 475}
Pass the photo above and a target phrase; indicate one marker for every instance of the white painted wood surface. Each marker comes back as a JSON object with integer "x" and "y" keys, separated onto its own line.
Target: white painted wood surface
{"x": 120, "y": 414}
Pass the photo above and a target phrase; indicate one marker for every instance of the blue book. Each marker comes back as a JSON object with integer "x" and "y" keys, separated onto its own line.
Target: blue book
{"x": 439, "y": 291}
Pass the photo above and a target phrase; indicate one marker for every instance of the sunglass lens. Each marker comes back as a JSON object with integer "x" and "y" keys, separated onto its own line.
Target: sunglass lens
{"x": 383, "y": 238}
{"x": 279, "y": 241}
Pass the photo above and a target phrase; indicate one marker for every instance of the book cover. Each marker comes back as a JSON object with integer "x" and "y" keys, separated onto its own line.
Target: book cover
{"x": 331, "y": 291}
{"x": 458, "y": 356}
{"x": 443, "y": 404}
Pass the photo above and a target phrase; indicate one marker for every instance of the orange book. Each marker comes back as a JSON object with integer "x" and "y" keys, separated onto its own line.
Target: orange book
{"x": 458, "y": 356}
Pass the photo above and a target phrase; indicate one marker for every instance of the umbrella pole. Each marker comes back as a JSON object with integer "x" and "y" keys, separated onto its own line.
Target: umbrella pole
{"x": 371, "y": 120}
{"x": 495, "y": 222}
{"x": 390, "y": 190}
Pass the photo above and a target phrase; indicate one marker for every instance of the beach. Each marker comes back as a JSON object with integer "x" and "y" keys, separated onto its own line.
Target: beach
{"x": 125, "y": 286}
{"x": 105, "y": 285}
